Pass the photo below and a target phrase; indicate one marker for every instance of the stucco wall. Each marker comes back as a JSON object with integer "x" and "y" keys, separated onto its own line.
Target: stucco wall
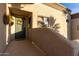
{"x": 43, "y": 10}
{"x": 75, "y": 31}
{"x": 2, "y": 28}
{"x": 51, "y": 42}
{"x": 60, "y": 18}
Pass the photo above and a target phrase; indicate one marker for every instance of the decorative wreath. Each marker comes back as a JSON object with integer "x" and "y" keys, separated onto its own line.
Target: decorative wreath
{"x": 11, "y": 20}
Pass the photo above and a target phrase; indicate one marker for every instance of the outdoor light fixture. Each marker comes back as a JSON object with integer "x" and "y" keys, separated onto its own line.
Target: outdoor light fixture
{"x": 5, "y": 19}
{"x": 67, "y": 21}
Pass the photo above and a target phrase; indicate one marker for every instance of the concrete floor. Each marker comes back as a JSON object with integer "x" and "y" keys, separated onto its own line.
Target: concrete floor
{"x": 23, "y": 48}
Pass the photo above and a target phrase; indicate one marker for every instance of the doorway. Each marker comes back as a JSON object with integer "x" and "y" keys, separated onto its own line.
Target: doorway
{"x": 20, "y": 28}
{"x": 22, "y": 23}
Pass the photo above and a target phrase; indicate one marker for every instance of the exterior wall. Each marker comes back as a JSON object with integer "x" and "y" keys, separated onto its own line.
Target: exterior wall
{"x": 51, "y": 12}
{"x": 75, "y": 30}
{"x": 43, "y": 10}
{"x": 51, "y": 42}
{"x": 2, "y": 28}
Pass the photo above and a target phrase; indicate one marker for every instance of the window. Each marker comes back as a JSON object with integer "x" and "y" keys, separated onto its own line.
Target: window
{"x": 46, "y": 21}
{"x": 42, "y": 21}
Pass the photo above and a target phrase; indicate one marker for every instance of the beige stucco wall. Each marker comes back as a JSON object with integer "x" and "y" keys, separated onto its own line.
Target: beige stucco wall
{"x": 51, "y": 42}
{"x": 2, "y": 28}
{"x": 75, "y": 32}
{"x": 43, "y": 10}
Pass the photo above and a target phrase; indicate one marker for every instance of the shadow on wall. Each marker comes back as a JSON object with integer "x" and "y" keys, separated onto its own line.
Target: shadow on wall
{"x": 48, "y": 22}
{"x": 53, "y": 25}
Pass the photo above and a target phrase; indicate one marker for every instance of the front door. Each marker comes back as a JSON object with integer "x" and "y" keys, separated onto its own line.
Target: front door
{"x": 20, "y": 28}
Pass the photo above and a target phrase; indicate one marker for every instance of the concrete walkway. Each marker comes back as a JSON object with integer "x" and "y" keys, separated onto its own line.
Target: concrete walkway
{"x": 23, "y": 48}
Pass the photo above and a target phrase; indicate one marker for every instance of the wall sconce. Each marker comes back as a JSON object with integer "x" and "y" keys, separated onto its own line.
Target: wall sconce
{"x": 5, "y": 19}
{"x": 67, "y": 21}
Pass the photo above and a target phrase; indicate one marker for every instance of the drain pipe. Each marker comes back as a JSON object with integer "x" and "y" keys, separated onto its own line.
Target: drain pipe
{"x": 69, "y": 28}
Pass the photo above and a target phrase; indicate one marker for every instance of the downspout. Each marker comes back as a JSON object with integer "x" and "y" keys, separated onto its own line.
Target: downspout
{"x": 69, "y": 26}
